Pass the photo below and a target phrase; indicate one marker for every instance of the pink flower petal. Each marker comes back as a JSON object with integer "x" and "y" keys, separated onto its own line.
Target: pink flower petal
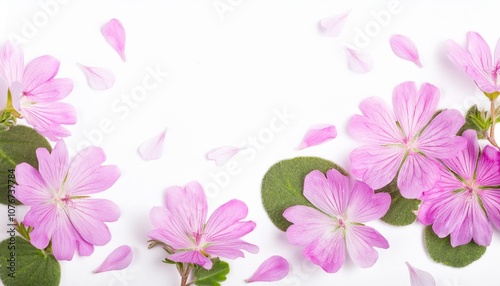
{"x": 358, "y": 61}
{"x": 318, "y": 134}
{"x": 118, "y": 259}
{"x": 405, "y": 48}
{"x": 39, "y": 71}
{"x": 365, "y": 205}
{"x": 272, "y": 269}
{"x": 328, "y": 251}
{"x": 419, "y": 277}
{"x": 360, "y": 242}
{"x": 417, "y": 174}
{"x": 152, "y": 149}
{"x": 222, "y": 154}
{"x": 326, "y": 193}
{"x": 333, "y": 26}
{"x": 98, "y": 78}
{"x": 192, "y": 257}
{"x": 114, "y": 33}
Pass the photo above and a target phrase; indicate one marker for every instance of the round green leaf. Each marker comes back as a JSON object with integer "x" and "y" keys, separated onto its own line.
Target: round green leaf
{"x": 212, "y": 277}
{"x": 283, "y": 184}
{"x": 402, "y": 210}
{"x": 21, "y": 264}
{"x": 441, "y": 250}
{"x": 17, "y": 145}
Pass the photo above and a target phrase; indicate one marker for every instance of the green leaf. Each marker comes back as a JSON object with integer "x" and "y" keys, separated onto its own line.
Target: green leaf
{"x": 441, "y": 250}
{"x": 28, "y": 265}
{"x": 476, "y": 120}
{"x": 402, "y": 210}
{"x": 211, "y": 277}
{"x": 283, "y": 184}
{"x": 17, "y": 145}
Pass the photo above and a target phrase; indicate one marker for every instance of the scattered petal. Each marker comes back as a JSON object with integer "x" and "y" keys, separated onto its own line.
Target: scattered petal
{"x": 119, "y": 259}
{"x": 114, "y": 34}
{"x": 98, "y": 78}
{"x": 333, "y": 26}
{"x": 152, "y": 149}
{"x": 358, "y": 61}
{"x": 274, "y": 268}
{"x": 317, "y": 135}
{"x": 222, "y": 154}
{"x": 405, "y": 48}
{"x": 419, "y": 277}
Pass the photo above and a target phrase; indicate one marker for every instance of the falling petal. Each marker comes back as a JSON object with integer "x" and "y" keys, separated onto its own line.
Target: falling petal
{"x": 317, "y": 135}
{"x": 98, "y": 78}
{"x": 358, "y": 61}
{"x": 333, "y": 26}
{"x": 419, "y": 277}
{"x": 274, "y": 268}
{"x": 222, "y": 154}
{"x": 152, "y": 149}
{"x": 119, "y": 259}
{"x": 114, "y": 34}
{"x": 405, "y": 48}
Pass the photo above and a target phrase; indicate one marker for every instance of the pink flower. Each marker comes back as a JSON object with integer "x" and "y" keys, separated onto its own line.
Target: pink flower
{"x": 407, "y": 141}
{"x": 336, "y": 226}
{"x": 58, "y": 192}
{"x": 477, "y": 62}
{"x": 466, "y": 200}
{"x": 182, "y": 225}
{"x": 35, "y": 92}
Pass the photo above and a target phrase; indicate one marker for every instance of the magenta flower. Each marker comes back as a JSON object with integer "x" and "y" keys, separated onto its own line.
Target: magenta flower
{"x": 337, "y": 226}
{"x": 477, "y": 62}
{"x": 466, "y": 200}
{"x": 405, "y": 142}
{"x": 182, "y": 225}
{"x": 35, "y": 93}
{"x": 60, "y": 209}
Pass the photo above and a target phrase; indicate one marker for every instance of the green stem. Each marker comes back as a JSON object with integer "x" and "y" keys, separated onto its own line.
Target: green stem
{"x": 493, "y": 114}
{"x": 184, "y": 270}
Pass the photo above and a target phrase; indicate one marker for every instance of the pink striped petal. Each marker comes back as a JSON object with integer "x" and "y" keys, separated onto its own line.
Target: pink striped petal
{"x": 119, "y": 259}
{"x": 318, "y": 134}
{"x": 419, "y": 277}
{"x": 272, "y": 269}
{"x": 98, "y": 78}
{"x": 358, "y": 61}
{"x": 333, "y": 26}
{"x": 222, "y": 154}
{"x": 405, "y": 48}
{"x": 152, "y": 149}
{"x": 114, "y": 34}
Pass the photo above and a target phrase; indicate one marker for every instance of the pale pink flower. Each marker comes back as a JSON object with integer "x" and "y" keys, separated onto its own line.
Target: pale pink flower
{"x": 466, "y": 199}
{"x": 405, "y": 48}
{"x": 60, "y": 209}
{"x": 419, "y": 277}
{"x": 336, "y": 226}
{"x": 272, "y": 269}
{"x": 114, "y": 34}
{"x": 317, "y": 135}
{"x": 35, "y": 92}
{"x": 183, "y": 225}
{"x": 476, "y": 61}
{"x": 118, "y": 259}
{"x": 407, "y": 141}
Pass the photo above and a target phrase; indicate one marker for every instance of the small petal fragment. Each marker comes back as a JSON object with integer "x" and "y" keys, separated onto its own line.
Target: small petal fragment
{"x": 114, "y": 33}
{"x": 274, "y": 268}
{"x": 98, "y": 78}
{"x": 358, "y": 61}
{"x": 333, "y": 26}
{"x": 317, "y": 135}
{"x": 152, "y": 149}
{"x": 405, "y": 48}
{"x": 119, "y": 259}
{"x": 419, "y": 277}
{"x": 222, "y": 154}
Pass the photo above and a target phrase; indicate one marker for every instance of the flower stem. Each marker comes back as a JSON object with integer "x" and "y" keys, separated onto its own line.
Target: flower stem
{"x": 184, "y": 271}
{"x": 493, "y": 114}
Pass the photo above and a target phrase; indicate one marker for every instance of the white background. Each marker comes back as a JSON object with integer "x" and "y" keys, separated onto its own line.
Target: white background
{"x": 227, "y": 74}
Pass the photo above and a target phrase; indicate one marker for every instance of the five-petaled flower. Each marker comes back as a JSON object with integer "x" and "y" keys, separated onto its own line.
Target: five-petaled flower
{"x": 182, "y": 225}
{"x": 338, "y": 224}
{"x": 477, "y": 62}
{"x": 466, "y": 200}
{"x": 405, "y": 142}
{"x": 33, "y": 93}
{"x": 60, "y": 210}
